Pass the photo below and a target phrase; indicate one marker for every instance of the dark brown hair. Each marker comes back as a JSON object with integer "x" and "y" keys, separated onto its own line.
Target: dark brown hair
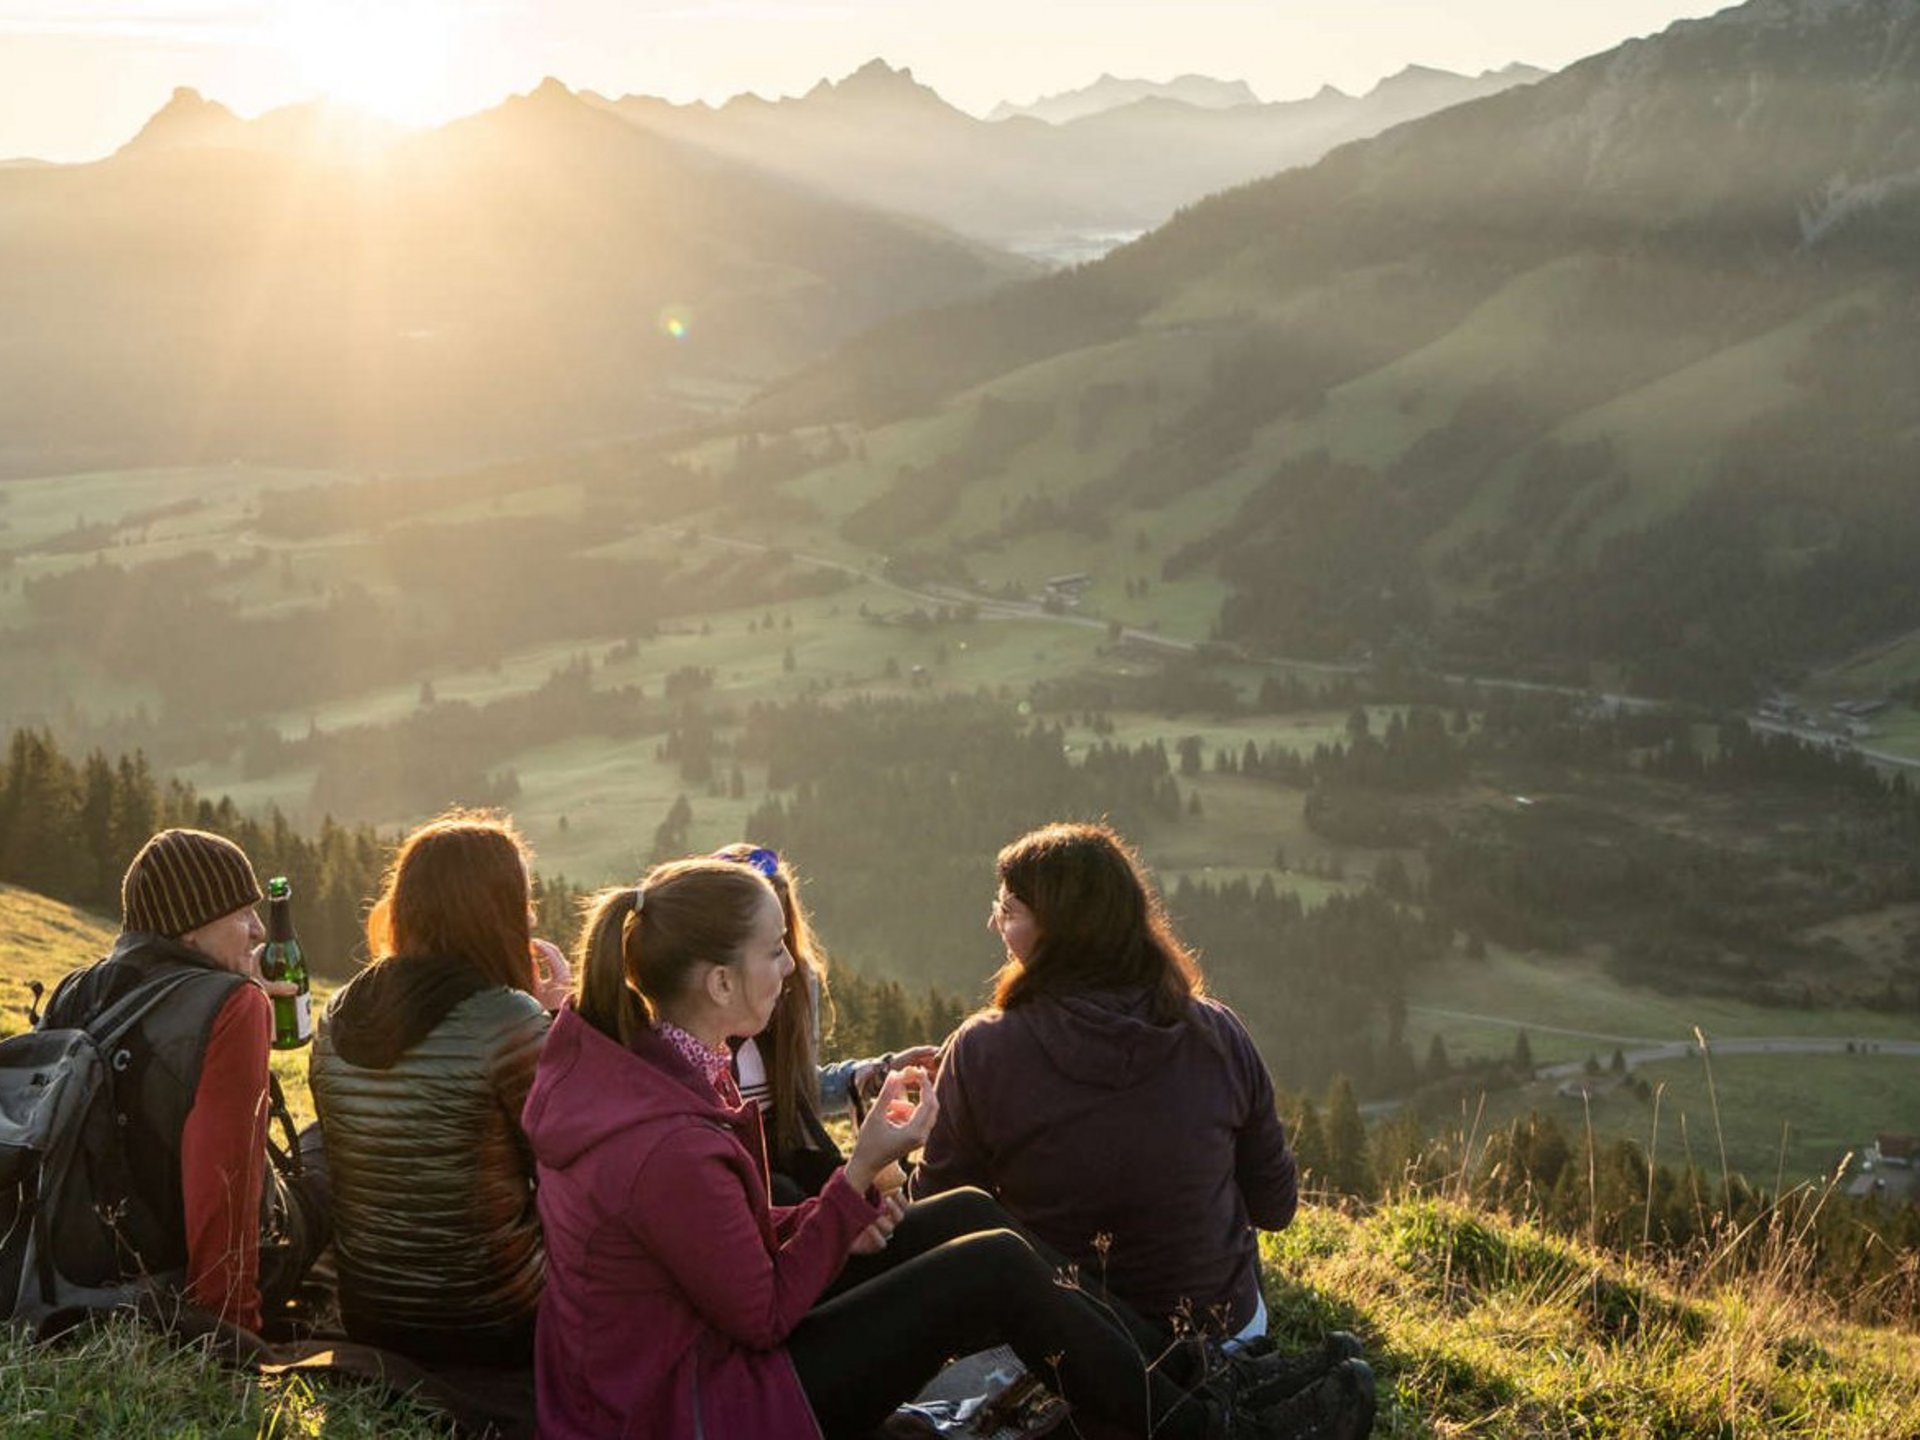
{"x": 632, "y": 954}
{"x": 787, "y": 1044}
{"x": 1100, "y": 925}
{"x": 458, "y": 887}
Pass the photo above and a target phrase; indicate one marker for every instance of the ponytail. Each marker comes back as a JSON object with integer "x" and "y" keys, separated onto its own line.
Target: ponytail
{"x": 641, "y": 943}
{"x": 608, "y": 999}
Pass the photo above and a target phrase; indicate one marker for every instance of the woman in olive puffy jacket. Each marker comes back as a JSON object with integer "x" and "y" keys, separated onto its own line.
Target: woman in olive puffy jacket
{"x": 419, "y": 1071}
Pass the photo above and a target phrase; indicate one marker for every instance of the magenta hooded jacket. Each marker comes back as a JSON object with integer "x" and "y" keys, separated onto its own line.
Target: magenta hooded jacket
{"x": 671, "y": 1281}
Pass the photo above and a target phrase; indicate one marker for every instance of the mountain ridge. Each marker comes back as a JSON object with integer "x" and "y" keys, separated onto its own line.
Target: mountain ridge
{"x": 879, "y": 137}
{"x": 1111, "y": 91}
{"x": 1553, "y": 249}
{"x": 540, "y": 273}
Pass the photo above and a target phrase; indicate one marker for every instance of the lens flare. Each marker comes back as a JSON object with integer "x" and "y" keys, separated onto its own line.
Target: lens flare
{"x": 675, "y": 322}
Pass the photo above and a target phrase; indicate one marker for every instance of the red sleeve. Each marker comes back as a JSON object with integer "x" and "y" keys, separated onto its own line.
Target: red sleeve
{"x": 223, "y": 1158}
{"x": 700, "y": 1224}
{"x": 787, "y": 1219}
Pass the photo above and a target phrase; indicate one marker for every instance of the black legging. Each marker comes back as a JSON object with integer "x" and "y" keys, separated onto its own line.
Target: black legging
{"x": 959, "y": 1277}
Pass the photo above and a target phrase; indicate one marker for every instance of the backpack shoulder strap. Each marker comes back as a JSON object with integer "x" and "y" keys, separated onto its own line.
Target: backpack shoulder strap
{"x": 286, "y": 1158}
{"x": 111, "y": 1025}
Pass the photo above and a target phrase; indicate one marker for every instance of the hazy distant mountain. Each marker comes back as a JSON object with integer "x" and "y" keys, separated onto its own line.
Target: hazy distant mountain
{"x": 881, "y": 138}
{"x": 536, "y": 274}
{"x": 1613, "y": 370}
{"x": 1110, "y": 92}
{"x": 190, "y": 121}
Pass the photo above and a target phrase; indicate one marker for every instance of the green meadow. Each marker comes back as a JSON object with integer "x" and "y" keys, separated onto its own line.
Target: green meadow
{"x": 1783, "y": 1119}
{"x": 590, "y": 803}
{"x": 1796, "y": 1115}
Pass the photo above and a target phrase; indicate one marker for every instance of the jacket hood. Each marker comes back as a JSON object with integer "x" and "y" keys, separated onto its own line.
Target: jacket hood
{"x": 394, "y": 1004}
{"x": 1103, "y": 1038}
{"x": 590, "y": 1088}
{"x": 144, "y": 945}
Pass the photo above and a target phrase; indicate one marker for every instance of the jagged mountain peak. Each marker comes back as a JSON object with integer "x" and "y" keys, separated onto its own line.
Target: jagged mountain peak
{"x": 549, "y": 101}
{"x": 1415, "y": 77}
{"x": 186, "y": 100}
{"x": 188, "y": 118}
{"x": 877, "y": 71}
{"x": 876, "y": 83}
{"x": 1113, "y": 92}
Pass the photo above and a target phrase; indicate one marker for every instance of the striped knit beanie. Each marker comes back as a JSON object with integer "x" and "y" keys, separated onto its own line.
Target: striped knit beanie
{"x": 181, "y": 879}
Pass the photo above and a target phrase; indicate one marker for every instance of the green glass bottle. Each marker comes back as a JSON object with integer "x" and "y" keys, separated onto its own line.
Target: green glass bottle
{"x": 282, "y": 963}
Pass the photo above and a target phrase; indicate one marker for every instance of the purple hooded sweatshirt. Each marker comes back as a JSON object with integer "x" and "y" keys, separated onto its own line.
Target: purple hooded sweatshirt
{"x": 1096, "y": 1127}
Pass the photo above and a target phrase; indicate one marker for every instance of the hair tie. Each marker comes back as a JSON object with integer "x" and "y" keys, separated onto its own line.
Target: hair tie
{"x": 639, "y": 898}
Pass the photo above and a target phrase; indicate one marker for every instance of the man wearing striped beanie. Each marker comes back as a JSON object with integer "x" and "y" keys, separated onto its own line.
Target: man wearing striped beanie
{"x": 195, "y": 1089}
{"x": 199, "y": 889}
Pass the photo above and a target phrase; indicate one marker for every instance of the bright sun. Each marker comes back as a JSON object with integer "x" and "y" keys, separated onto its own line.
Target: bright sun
{"x": 391, "y": 57}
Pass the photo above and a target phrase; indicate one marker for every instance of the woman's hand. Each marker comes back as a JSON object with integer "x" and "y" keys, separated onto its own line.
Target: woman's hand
{"x": 873, "y": 1239}
{"x": 868, "y": 1079}
{"x": 899, "y": 1123}
{"x": 552, "y": 976}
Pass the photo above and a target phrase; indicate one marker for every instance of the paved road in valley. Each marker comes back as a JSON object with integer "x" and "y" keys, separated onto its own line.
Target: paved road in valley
{"x": 1766, "y": 1045}
{"x": 1647, "y": 1050}
{"x": 996, "y": 608}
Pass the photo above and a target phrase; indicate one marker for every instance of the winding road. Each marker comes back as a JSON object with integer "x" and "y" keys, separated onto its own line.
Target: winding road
{"x": 998, "y": 608}
{"x": 1647, "y": 1050}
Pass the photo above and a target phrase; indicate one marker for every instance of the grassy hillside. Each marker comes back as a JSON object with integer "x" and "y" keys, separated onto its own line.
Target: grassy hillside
{"x": 41, "y": 939}
{"x": 1476, "y": 1324}
{"x": 1479, "y": 1325}
{"x": 1483, "y": 1326}
{"x": 1576, "y": 387}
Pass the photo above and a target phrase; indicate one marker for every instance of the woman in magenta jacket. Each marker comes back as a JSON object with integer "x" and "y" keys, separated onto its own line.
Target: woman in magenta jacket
{"x": 679, "y": 1303}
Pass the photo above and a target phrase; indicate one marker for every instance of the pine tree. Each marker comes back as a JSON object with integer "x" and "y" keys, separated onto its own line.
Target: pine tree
{"x": 892, "y": 1018}
{"x": 1349, "y": 1162}
{"x": 1310, "y": 1145}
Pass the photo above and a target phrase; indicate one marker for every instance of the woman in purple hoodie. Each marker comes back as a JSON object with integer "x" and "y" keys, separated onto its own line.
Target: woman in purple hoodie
{"x": 680, "y": 1303}
{"x": 1117, "y": 1112}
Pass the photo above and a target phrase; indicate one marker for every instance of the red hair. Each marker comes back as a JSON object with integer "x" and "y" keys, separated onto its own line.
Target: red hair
{"x": 458, "y": 886}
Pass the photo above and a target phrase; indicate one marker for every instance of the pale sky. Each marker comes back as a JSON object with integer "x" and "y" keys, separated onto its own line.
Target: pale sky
{"x": 78, "y": 77}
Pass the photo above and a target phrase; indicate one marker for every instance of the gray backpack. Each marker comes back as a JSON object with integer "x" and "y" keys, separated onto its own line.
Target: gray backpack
{"x": 65, "y": 1181}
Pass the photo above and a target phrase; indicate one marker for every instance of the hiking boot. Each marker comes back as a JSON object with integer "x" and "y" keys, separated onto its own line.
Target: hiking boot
{"x": 1338, "y": 1406}
{"x": 1262, "y": 1374}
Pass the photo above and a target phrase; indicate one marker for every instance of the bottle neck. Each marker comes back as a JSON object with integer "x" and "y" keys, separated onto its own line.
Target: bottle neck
{"x": 279, "y": 921}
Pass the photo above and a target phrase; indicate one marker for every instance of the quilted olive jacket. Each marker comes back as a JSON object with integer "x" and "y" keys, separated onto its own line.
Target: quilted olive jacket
{"x": 419, "y": 1088}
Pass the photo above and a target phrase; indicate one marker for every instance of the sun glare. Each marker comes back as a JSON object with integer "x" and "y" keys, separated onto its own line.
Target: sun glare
{"x": 393, "y": 58}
